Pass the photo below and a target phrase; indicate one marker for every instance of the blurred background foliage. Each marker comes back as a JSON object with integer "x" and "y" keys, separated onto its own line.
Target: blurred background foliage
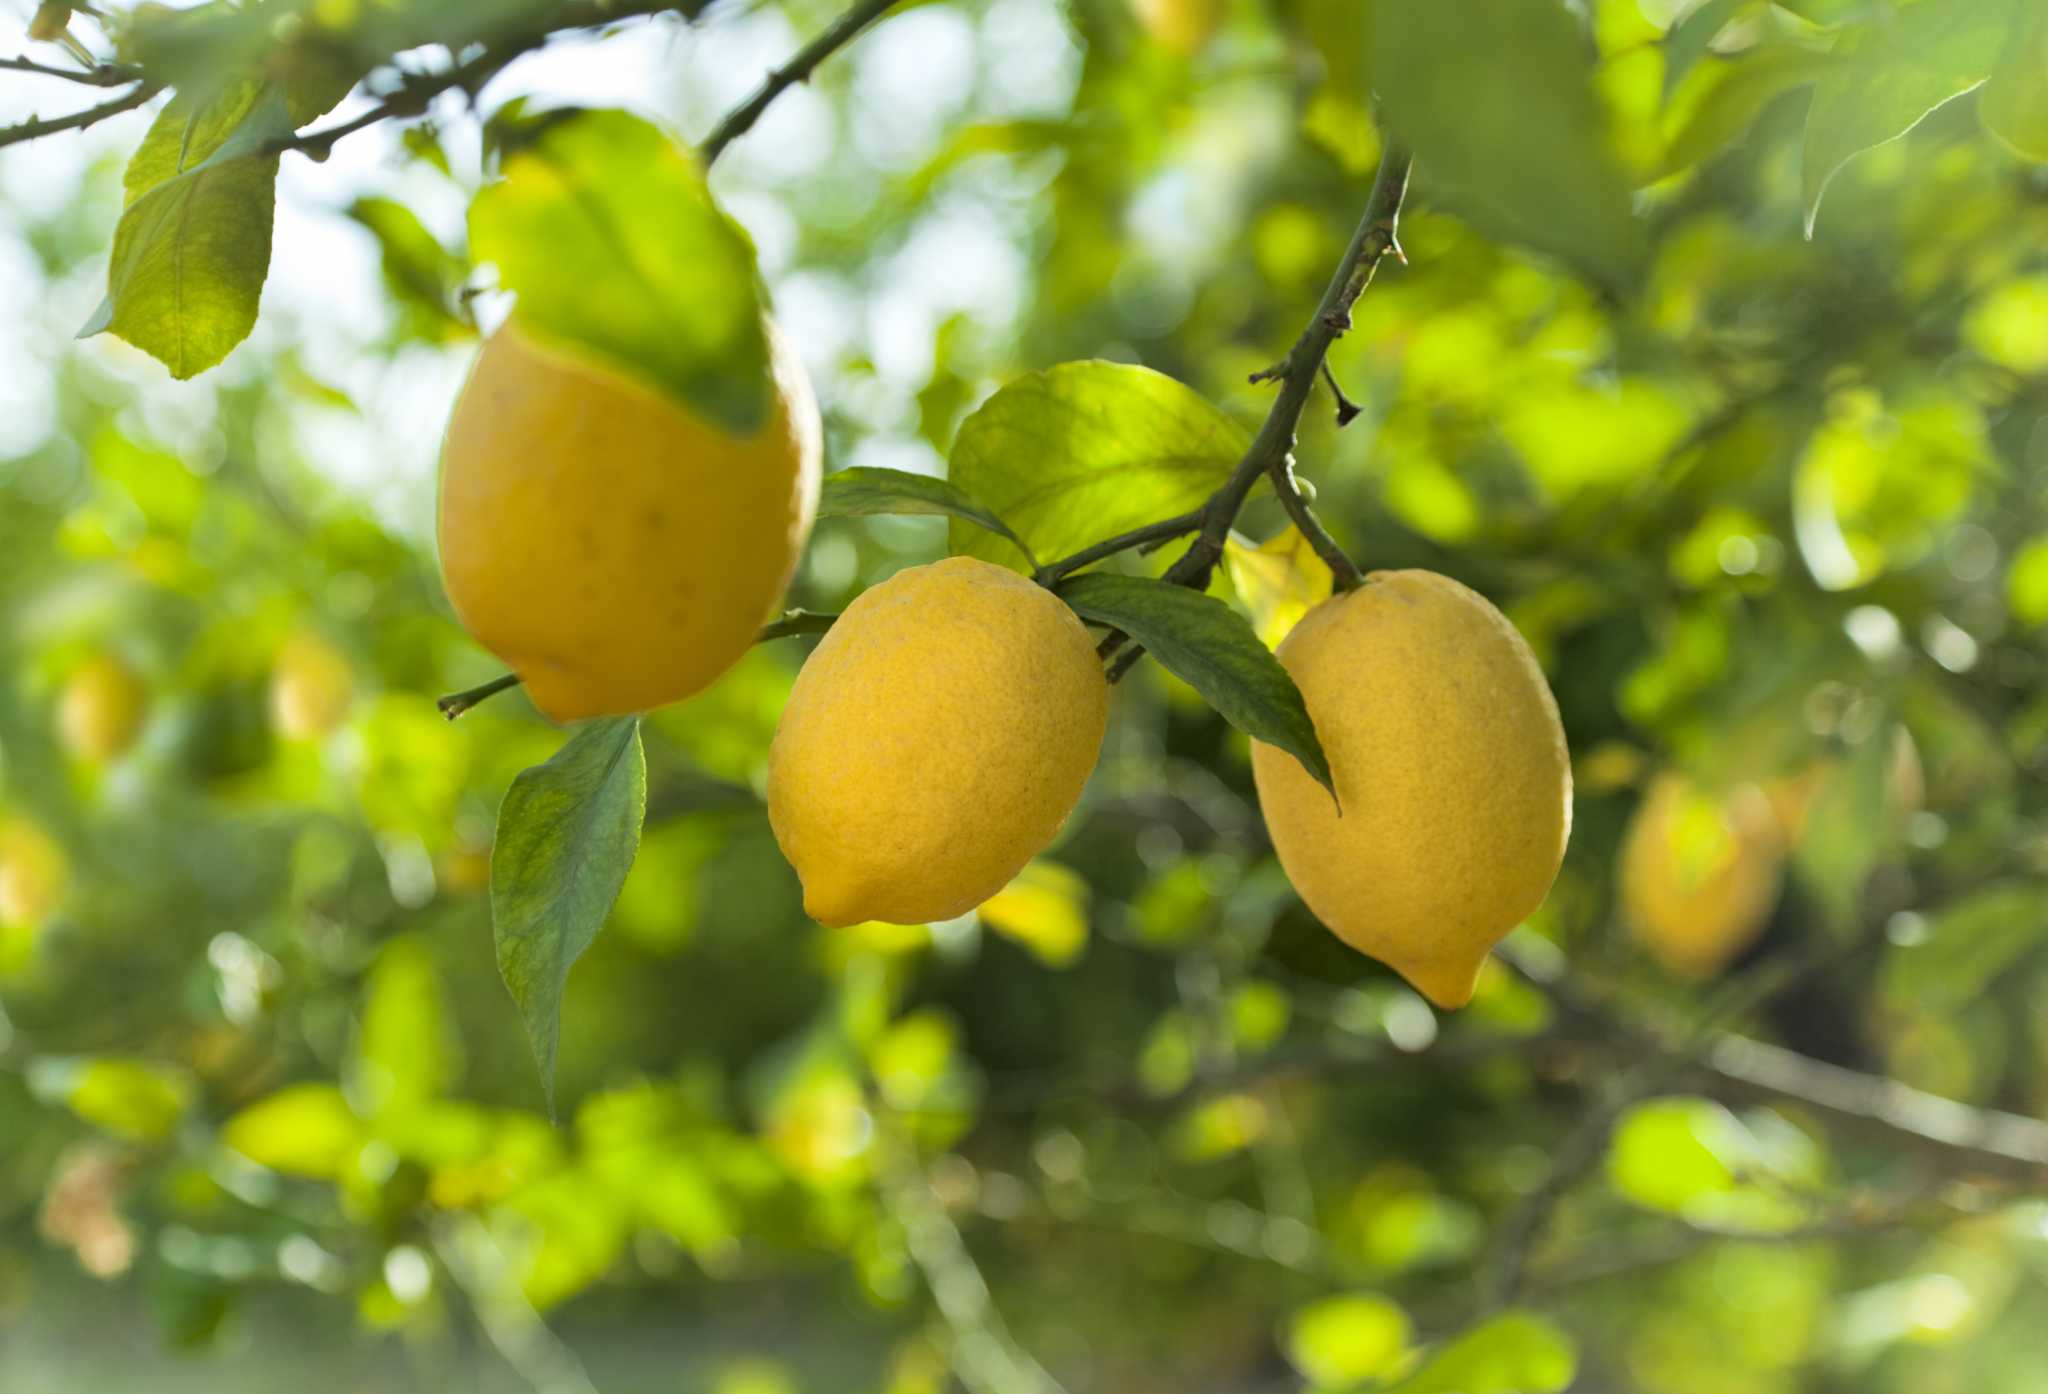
{"x": 1751, "y": 1106}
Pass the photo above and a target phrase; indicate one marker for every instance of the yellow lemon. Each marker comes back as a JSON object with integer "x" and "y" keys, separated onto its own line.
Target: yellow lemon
{"x": 937, "y": 738}
{"x": 33, "y": 872}
{"x": 311, "y": 687}
{"x": 618, "y": 551}
{"x": 1700, "y": 873}
{"x": 101, "y": 708}
{"x": 1451, "y": 770}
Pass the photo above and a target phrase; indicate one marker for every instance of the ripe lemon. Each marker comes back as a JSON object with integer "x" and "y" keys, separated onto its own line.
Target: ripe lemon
{"x": 1700, "y": 873}
{"x": 618, "y": 551}
{"x": 311, "y": 687}
{"x": 33, "y": 872}
{"x": 937, "y": 738}
{"x": 1450, "y": 765}
{"x": 101, "y": 708}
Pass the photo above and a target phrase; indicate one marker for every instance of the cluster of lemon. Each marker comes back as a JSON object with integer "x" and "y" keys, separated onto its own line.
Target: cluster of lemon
{"x": 619, "y": 552}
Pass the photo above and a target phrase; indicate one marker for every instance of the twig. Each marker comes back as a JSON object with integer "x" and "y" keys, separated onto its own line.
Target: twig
{"x": 2006, "y": 1143}
{"x": 1343, "y": 570}
{"x": 792, "y": 622}
{"x": 985, "y": 1356}
{"x": 1377, "y": 235}
{"x": 801, "y": 64}
{"x": 1151, "y": 535}
{"x": 79, "y": 120}
{"x": 98, "y": 75}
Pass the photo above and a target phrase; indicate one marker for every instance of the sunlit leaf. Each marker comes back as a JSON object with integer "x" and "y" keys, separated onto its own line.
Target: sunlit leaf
{"x": 1494, "y": 98}
{"x": 1083, "y": 451}
{"x": 1688, "y": 40}
{"x": 406, "y": 1047}
{"x": 604, "y": 227}
{"x": 567, "y": 833}
{"x": 303, "y": 1130}
{"x": 1045, "y": 909}
{"x": 1513, "y": 1353}
{"x": 859, "y": 492}
{"x": 1279, "y": 581}
{"x": 141, "y": 1100}
{"x": 1212, "y": 648}
{"x": 2027, "y": 582}
{"x": 1900, "y": 65}
{"x": 422, "y": 275}
{"x": 1346, "y": 1340}
{"x": 2014, "y": 104}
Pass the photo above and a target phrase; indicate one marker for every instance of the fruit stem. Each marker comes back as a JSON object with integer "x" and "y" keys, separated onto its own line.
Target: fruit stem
{"x": 456, "y": 703}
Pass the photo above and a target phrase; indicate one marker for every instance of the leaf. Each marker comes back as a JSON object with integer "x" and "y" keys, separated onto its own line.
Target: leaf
{"x": 1347, "y": 1339}
{"x": 1083, "y": 451}
{"x": 1278, "y": 581}
{"x": 1213, "y": 649}
{"x": 422, "y": 274}
{"x": 1495, "y": 100}
{"x": 605, "y": 228}
{"x": 192, "y": 249}
{"x": 1899, "y": 67}
{"x": 1968, "y": 947}
{"x": 140, "y": 1100}
{"x": 1733, "y": 94}
{"x": 1845, "y": 833}
{"x": 2014, "y": 105}
{"x": 1693, "y": 1158}
{"x": 1514, "y": 1353}
{"x": 303, "y": 1130}
{"x": 861, "y": 492}
{"x": 1688, "y": 40}
{"x": 567, "y": 832}
{"x": 1045, "y": 909}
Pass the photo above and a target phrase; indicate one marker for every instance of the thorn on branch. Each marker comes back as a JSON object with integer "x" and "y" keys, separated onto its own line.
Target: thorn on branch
{"x": 1348, "y": 411}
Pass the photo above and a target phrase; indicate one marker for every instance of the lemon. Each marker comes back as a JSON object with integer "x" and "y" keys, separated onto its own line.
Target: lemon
{"x": 1184, "y": 26}
{"x": 33, "y": 872}
{"x": 933, "y": 744}
{"x": 311, "y": 687}
{"x": 617, "y": 550}
{"x": 101, "y": 707}
{"x": 1450, "y": 766}
{"x": 1700, "y": 872}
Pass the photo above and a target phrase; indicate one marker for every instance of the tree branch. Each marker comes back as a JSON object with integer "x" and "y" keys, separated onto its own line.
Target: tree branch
{"x": 78, "y": 120}
{"x": 1149, "y": 536}
{"x": 1272, "y": 449}
{"x": 799, "y": 68}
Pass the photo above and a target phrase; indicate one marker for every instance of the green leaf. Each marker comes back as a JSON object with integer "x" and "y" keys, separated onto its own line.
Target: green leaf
{"x": 1514, "y": 1353}
{"x": 1693, "y": 1158}
{"x": 1494, "y": 98}
{"x": 567, "y": 832}
{"x": 1898, "y": 67}
{"x": 1348, "y": 1339}
{"x": 406, "y": 1050}
{"x": 2026, "y": 582}
{"x": 1688, "y": 40}
{"x": 140, "y": 1100}
{"x": 1213, "y": 649}
{"x": 1968, "y": 946}
{"x": 605, "y": 228}
{"x": 860, "y": 492}
{"x": 422, "y": 274}
{"x": 1739, "y": 91}
{"x": 1848, "y": 831}
{"x": 303, "y": 1130}
{"x": 1083, "y": 451}
{"x": 2014, "y": 106}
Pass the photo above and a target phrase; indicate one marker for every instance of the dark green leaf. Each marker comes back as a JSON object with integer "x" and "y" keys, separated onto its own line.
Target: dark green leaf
{"x": 1212, "y": 648}
{"x": 567, "y": 833}
{"x": 858, "y": 493}
{"x": 1899, "y": 66}
{"x": 1083, "y": 451}
{"x": 2014, "y": 106}
{"x": 1968, "y": 946}
{"x": 1514, "y": 1353}
{"x": 1495, "y": 100}
{"x": 604, "y": 227}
